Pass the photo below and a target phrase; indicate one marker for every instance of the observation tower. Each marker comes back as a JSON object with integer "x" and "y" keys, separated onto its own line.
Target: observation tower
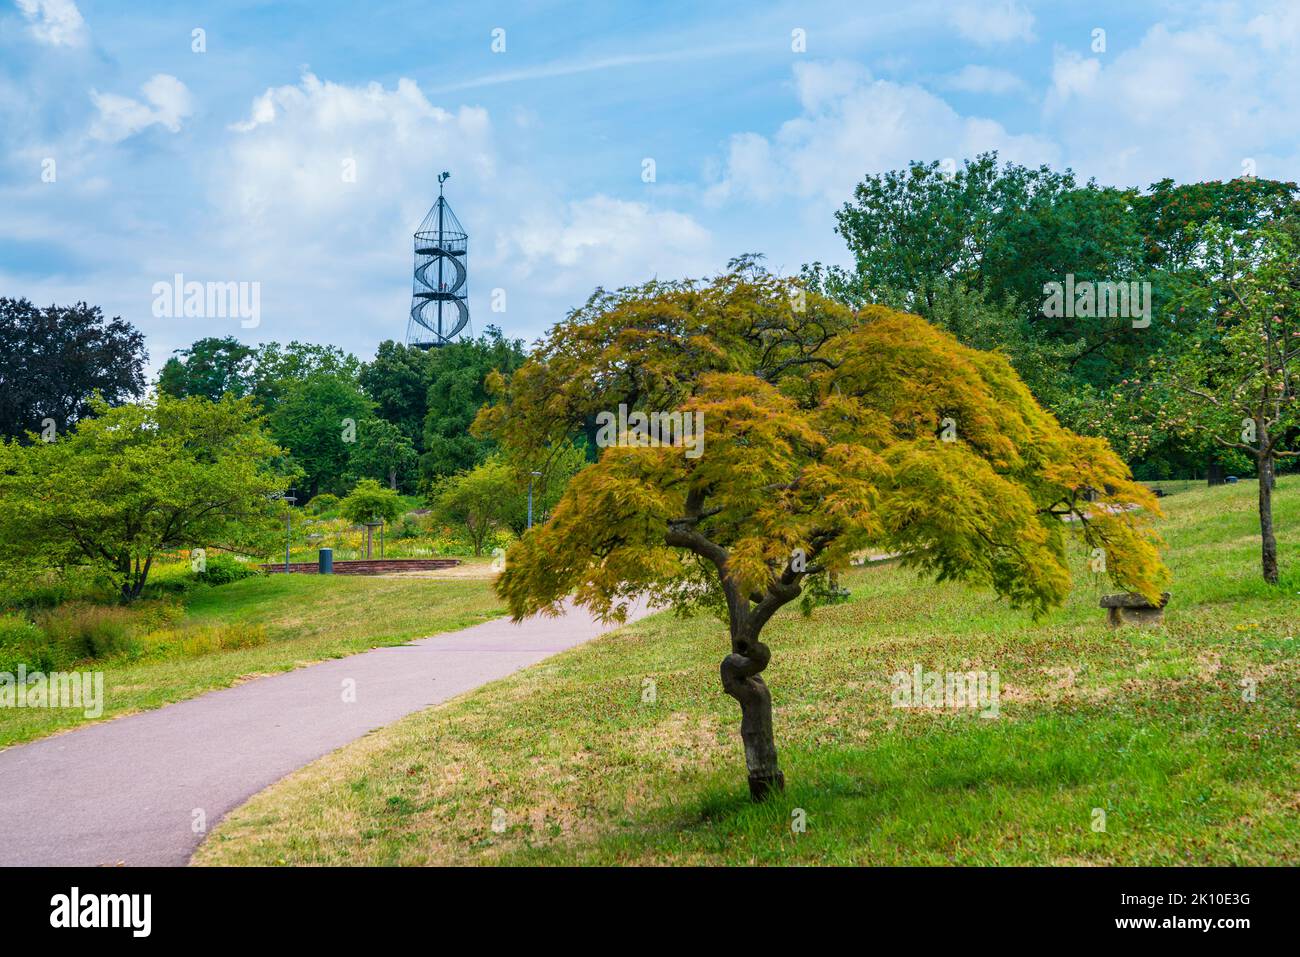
{"x": 440, "y": 297}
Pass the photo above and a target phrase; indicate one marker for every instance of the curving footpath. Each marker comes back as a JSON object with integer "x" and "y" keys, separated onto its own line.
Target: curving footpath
{"x": 141, "y": 790}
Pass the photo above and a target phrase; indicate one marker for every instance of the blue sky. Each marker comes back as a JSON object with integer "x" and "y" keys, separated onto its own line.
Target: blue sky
{"x": 228, "y": 165}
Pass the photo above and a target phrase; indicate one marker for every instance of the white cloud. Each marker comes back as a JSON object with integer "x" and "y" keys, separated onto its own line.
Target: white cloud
{"x": 984, "y": 79}
{"x": 852, "y": 125}
{"x": 288, "y": 216}
{"x": 993, "y": 23}
{"x": 1072, "y": 75}
{"x": 1192, "y": 102}
{"x": 604, "y": 241}
{"x": 167, "y": 102}
{"x": 317, "y": 150}
{"x": 56, "y": 22}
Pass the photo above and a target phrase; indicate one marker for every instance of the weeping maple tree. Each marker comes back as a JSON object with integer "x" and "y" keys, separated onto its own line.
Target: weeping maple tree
{"x": 826, "y": 433}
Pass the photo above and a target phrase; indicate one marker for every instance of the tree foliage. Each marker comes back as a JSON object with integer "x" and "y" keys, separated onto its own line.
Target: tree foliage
{"x": 457, "y": 373}
{"x": 314, "y": 417}
{"x": 397, "y": 381}
{"x": 993, "y": 235}
{"x": 479, "y": 500}
{"x": 371, "y": 502}
{"x": 381, "y": 451}
{"x": 1237, "y": 382}
{"x": 211, "y": 368}
{"x": 54, "y": 360}
{"x": 824, "y": 437}
{"x": 135, "y": 480}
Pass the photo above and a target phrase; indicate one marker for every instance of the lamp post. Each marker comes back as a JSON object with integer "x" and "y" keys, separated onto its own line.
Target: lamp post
{"x": 530, "y": 497}
{"x": 288, "y": 525}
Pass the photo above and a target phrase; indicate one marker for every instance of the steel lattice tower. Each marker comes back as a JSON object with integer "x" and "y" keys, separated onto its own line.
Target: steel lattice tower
{"x": 440, "y": 297}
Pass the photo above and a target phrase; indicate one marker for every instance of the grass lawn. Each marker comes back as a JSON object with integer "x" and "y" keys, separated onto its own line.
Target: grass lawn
{"x": 1150, "y": 727}
{"x": 303, "y": 619}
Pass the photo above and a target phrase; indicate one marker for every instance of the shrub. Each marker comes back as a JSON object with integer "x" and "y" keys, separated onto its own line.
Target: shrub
{"x": 222, "y": 569}
{"x": 80, "y": 632}
{"x": 323, "y": 503}
{"x": 22, "y": 643}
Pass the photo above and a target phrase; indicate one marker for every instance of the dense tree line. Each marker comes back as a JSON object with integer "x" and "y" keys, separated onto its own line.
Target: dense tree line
{"x": 403, "y": 418}
{"x": 972, "y": 251}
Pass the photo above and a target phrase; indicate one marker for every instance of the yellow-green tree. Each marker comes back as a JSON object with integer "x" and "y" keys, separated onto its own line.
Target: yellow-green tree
{"x": 825, "y": 433}
{"x": 131, "y": 482}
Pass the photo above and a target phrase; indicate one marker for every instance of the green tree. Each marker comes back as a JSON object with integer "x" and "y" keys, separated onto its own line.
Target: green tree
{"x": 554, "y": 469}
{"x": 371, "y": 502}
{"x": 277, "y": 367}
{"x": 1238, "y": 381}
{"x": 135, "y": 480}
{"x": 397, "y": 381}
{"x": 478, "y": 500}
{"x": 381, "y": 450}
{"x": 456, "y": 392}
{"x": 825, "y": 433}
{"x": 317, "y": 419}
{"x": 997, "y": 234}
{"x": 210, "y": 368}
{"x": 54, "y": 360}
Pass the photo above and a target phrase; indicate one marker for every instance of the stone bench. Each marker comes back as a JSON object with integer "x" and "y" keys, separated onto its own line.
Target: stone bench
{"x": 1132, "y": 609}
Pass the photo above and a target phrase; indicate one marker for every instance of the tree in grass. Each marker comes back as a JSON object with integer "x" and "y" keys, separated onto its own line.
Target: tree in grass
{"x": 136, "y": 480}
{"x": 1237, "y": 381}
{"x": 825, "y": 433}
{"x": 371, "y": 502}
{"x": 480, "y": 501}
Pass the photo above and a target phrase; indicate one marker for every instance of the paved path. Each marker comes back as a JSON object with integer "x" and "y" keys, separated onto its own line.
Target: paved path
{"x": 126, "y": 791}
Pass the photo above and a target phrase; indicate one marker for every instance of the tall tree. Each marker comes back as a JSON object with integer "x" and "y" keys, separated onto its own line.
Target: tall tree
{"x": 381, "y": 451}
{"x": 1238, "y": 380}
{"x": 54, "y": 360}
{"x": 276, "y": 367}
{"x": 318, "y": 419}
{"x": 135, "y": 480}
{"x": 211, "y": 367}
{"x": 457, "y": 373}
{"x": 826, "y": 433}
{"x": 397, "y": 381}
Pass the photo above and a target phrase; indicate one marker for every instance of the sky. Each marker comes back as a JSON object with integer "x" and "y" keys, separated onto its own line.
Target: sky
{"x": 296, "y": 146}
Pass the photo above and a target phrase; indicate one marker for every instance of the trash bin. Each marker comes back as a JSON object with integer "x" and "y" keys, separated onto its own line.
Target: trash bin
{"x": 327, "y": 561}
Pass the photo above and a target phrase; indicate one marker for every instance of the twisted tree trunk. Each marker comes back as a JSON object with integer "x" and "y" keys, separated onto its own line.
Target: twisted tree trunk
{"x": 740, "y": 670}
{"x": 740, "y": 679}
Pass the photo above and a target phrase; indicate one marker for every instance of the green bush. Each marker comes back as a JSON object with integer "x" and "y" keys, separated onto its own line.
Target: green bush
{"x": 323, "y": 503}
{"x": 82, "y": 632}
{"x": 22, "y": 643}
{"x": 222, "y": 569}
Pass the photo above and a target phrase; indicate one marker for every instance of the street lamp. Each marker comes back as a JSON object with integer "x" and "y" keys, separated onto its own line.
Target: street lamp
{"x": 288, "y": 525}
{"x": 530, "y": 497}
